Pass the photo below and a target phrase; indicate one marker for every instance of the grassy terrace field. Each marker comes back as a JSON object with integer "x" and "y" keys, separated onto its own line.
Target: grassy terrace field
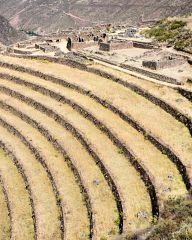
{"x": 5, "y": 223}
{"x": 91, "y": 157}
{"x": 20, "y": 211}
{"x": 68, "y": 190}
{"x": 161, "y": 92}
{"x": 44, "y": 201}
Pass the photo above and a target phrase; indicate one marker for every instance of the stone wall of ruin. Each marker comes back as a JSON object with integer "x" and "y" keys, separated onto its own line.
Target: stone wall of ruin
{"x": 143, "y": 45}
{"x": 115, "y": 45}
{"x": 104, "y": 46}
{"x": 154, "y": 75}
{"x": 81, "y": 45}
{"x": 121, "y": 45}
{"x": 155, "y": 65}
{"x": 18, "y": 51}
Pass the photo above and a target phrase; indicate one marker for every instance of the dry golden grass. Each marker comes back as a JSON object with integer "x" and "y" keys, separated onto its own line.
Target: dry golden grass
{"x": 156, "y": 163}
{"x": 167, "y": 94}
{"x": 46, "y": 210}
{"x": 103, "y": 204}
{"x": 21, "y": 212}
{"x": 152, "y": 117}
{"x": 75, "y": 213}
{"x": 5, "y": 224}
{"x": 133, "y": 190}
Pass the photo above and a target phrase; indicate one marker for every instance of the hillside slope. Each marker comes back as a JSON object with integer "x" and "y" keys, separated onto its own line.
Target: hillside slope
{"x": 177, "y": 32}
{"x": 8, "y": 34}
{"x": 51, "y": 15}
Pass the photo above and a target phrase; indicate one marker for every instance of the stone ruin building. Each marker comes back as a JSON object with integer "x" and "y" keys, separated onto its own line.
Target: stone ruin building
{"x": 164, "y": 61}
{"x": 84, "y": 39}
{"x": 53, "y": 40}
{"x": 45, "y": 47}
{"x": 129, "y": 32}
{"x": 115, "y": 45}
{"x": 145, "y": 45}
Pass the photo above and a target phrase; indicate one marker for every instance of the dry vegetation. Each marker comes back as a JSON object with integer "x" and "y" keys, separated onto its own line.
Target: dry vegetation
{"x": 175, "y": 31}
{"x": 88, "y": 157}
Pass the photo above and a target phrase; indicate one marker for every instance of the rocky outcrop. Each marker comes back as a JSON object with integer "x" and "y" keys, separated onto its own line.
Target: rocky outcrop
{"x": 8, "y": 35}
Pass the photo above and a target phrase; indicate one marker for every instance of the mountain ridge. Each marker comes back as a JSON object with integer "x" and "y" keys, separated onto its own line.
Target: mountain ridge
{"x": 48, "y": 16}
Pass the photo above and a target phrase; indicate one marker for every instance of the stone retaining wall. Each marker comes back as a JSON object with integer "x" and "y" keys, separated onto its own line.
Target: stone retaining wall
{"x": 18, "y": 51}
{"x": 157, "y": 76}
{"x": 157, "y": 101}
{"x": 42, "y": 161}
{"x": 7, "y": 200}
{"x": 83, "y": 66}
{"x": 185, "y": 93}
{"x": 155, "y": 141}
{"x": 81, "y": 139}
{"x": 60, "y": 148}
{"x": 161, "y": 146}
{"x": 145, "y": 175}
{"x": 16, "y": 162}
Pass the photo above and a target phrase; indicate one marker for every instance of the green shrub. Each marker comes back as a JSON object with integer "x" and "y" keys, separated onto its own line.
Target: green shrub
{"x": 120, "y": 151}
{"x": 172, "y": 32}
{"x": 176, "y": 24}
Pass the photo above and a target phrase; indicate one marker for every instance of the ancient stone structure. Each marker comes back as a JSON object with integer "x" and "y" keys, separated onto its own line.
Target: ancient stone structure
{"x": 145, "y": 45}
{"x": 115, "y": 45}
{"x": 53, "y": 40}
{"x": 81, "y": 45}
{"x": 21, "y": 45}
{"x": 154, "y": 75}
{"x": 24, "y": 52}
{"x": 46, "y": 47}
{"x": 165, "y": 62}
{"x": 130, "y": 32}
{"x": 103, "y": 46}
